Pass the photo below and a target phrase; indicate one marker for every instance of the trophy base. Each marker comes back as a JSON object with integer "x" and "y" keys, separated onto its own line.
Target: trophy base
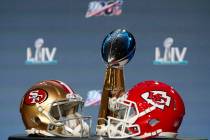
{"x": 93, "y": 137}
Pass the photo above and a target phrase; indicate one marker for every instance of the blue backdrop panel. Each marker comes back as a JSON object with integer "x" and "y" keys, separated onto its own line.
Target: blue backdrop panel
{"x": 62, "y": 24}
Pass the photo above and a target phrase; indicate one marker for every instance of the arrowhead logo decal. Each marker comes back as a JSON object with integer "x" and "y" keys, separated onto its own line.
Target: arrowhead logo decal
{"x": 159, "y": 99}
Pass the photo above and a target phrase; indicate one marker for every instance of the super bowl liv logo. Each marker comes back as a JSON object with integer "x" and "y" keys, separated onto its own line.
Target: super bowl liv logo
{"x": 170, "y": 55}
{"x": 41, "y": 55}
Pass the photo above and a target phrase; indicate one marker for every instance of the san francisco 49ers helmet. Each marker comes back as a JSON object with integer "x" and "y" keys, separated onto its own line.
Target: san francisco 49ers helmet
{"x": 149, "y": 109}
{"x": 50, "y": 108}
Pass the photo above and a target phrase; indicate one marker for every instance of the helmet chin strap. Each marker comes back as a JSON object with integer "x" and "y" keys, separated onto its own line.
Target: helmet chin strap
{"x": 82, "y": 128}
{"x": 102, "y": 131}
{"x": 115, "y": 133}
{"x": 79, "y": 131}
{"x": 73, "y": 132}
{"x": 75, "y": 128}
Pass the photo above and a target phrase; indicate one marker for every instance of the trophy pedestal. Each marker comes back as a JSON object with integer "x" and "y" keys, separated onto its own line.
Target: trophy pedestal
{"x": 94, "y": 137}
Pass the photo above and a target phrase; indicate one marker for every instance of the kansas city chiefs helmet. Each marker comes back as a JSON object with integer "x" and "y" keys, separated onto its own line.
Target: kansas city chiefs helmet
{"x": 149, "y": 109}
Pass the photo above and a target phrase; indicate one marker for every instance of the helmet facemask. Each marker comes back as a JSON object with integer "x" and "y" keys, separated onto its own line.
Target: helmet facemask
{"x": 119, "y": 127}
{"x": 124, "y": 126}
{"x": 67, "y": 122}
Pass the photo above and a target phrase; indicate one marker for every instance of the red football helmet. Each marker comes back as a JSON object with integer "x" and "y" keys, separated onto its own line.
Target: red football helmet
{"x": 149, "y": 109}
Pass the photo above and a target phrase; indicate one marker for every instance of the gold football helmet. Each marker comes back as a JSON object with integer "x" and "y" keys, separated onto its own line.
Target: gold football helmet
{"x": 50, "y": 108}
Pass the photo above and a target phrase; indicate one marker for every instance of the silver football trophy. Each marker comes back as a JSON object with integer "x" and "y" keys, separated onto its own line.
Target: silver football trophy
{"x": 118, "y": 48}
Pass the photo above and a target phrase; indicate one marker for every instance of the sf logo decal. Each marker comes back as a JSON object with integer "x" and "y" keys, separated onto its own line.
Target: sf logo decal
{"x": 157, "y": 98}
{"x": 35, "y": 96}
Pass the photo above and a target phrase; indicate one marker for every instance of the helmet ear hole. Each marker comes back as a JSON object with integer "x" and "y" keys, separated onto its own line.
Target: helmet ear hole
{"x": 51, "y": 127}
{"x": 153, "y": 122}
{"x": 37, "y": 120}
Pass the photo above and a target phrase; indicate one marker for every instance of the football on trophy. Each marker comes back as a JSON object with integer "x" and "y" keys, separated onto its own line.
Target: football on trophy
{"x": 118, "y": 47}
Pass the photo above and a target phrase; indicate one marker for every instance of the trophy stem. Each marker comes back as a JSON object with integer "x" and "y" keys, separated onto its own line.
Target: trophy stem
{"x": 113, "y": 87}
